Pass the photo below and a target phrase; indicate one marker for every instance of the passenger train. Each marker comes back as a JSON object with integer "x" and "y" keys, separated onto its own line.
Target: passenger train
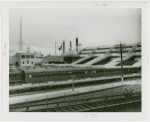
{"x": 31, "y": 75}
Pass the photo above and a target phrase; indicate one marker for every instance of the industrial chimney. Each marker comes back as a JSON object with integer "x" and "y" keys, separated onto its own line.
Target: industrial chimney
{"x": 63, "y": 47}
{"x": 70, "y": 46}
{"x": 20, "y": 42}
{"x": 77, "y": 44}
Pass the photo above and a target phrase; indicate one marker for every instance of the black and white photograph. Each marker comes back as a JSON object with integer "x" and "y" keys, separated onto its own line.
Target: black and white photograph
{"x": 75, "y": 60}
{"x": 68, "y": 61}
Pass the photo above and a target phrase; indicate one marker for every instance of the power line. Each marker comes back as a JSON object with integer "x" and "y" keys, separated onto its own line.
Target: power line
{"x": 38, "y": 45}
{"x": 35, "y": 44}
{"x": 60, "y": 41}
{"x": 29, "y": 44}
{"x": 31, "y": 37}
{"x": 38, "y": 41}
{"x": 33, "y": 41}
{"x": 46, "y": 45}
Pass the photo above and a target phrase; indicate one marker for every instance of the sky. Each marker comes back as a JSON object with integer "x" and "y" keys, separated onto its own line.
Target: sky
{"x": 41, "y": 28}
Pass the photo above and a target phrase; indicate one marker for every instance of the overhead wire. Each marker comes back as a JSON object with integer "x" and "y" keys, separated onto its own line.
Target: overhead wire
{"x": 32, "y": 41}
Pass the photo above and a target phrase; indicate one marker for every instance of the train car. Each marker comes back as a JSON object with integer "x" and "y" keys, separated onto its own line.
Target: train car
{"x": 113, "y": 71}
{"x": 54, "y": 74}
{"x": 66, "y": 73}
{"x": 14, "y": 76}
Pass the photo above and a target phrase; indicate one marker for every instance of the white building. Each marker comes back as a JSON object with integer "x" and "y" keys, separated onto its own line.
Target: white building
{"x": 29, "y": 57}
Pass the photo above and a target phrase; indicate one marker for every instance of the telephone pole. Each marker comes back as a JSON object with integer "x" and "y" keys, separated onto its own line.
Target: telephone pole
{"x": 20, "y": 38}
{"x": 70, "y": 47}
{"x": 121, "y": 63}
{"x": 55, "y": 48}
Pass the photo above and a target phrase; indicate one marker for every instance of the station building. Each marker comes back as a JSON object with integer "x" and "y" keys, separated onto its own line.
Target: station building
{"x": 25, "y": 58}
{"x": 22, "y": 59}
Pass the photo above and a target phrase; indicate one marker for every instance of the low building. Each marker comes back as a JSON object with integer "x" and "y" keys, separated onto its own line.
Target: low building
{"x": 29, "y": 57}
{"x": 23, "y": 59}
{"x": 54, "y": 59}
{"x": 26, "y": 59}
{"x": 71, "y": 58}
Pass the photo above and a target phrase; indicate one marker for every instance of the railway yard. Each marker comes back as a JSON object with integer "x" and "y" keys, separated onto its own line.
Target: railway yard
{"x": 74, "y": 89}
{"x": 97, "y": 79}
{"x": 75, "y": 66}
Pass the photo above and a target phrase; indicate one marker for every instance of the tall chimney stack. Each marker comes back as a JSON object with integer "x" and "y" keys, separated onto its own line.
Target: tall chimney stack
{"x": 20, "y": 41}
{"x": 63, "y": 47}
{"x": 77, "y": 44}
{"x": 70, "y": 49}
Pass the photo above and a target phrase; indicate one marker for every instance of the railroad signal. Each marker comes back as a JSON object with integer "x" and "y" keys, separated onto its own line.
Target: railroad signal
{"x": 55, "y": 48}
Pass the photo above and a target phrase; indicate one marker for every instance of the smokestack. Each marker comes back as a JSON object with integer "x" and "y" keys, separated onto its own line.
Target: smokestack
{"x": 77, "y": 44}
{"x": 70, "y": 46}
{"x": 63, "y": 47}
{"x": 20, "y": 42}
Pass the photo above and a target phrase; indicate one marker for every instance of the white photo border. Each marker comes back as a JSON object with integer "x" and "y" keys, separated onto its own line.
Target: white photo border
{"x": 8, "y": 116}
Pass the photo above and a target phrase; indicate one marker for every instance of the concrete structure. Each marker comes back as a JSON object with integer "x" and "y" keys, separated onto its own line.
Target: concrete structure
{"x": 106, "y": 56}
{"x": 15, "y": 60}
{"x": 53, "y": 59}
{"x": 71, "y": 58}
{"x": 44, "y": 95}
{"x": 109, "y": 55}
{"x": 25, "y": 59}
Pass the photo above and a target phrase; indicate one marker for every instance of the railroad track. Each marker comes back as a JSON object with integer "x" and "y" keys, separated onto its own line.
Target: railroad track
{"x": 55, "y": 89}
{"x": 87, "y": 95}
{"x": 32, "y": 90}
{"x": 43, "y": 91}
{"x": 95, "y": 106}
{"x": 58, "y": 104}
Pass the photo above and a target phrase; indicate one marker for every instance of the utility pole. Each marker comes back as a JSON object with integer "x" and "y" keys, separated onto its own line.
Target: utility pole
{"x": 121, "y": 63}
{"x": 73, "y": 77}
{"x": 63, "y": 47}
{"x": 55, "y": 48}
{"x": 20, "y": 38}
{"x": 72, "y": 84}
{"x": 77, "y": 44}
{"x": 70, "y": 47}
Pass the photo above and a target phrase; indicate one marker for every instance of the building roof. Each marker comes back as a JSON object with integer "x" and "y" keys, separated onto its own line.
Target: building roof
{"x": 52, "y": 69}
{"x": 53, "y": 59}
{"x": 25, "y": 52}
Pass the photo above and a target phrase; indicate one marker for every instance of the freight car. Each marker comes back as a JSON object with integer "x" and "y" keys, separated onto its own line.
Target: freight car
{"x": 58, "y": 73}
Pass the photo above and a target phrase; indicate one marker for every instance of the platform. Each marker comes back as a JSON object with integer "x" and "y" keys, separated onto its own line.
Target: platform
{"x": 40, "y": 96}
{"x": 52, "y": 83}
